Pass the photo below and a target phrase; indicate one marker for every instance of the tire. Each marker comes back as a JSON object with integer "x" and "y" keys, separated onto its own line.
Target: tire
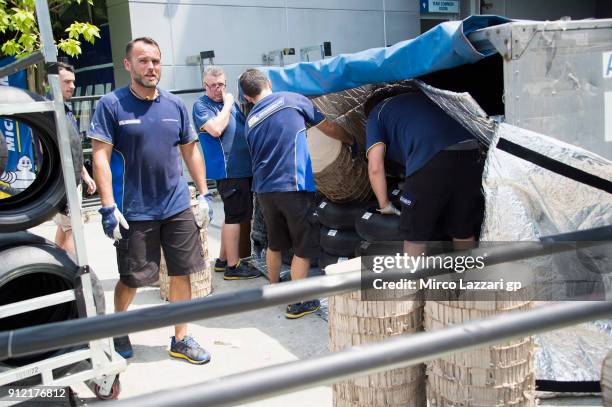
{"x": 380, "y": 248}
{"x": 32, "y": 270}
{"x": 374, "y": 227}
{"x": 327, "y": 259}
{"x": 339, "y": 242}
{"x": 341, "y": 216}
{"x": 42, "y": 199}
{"x": 3, "y": 153}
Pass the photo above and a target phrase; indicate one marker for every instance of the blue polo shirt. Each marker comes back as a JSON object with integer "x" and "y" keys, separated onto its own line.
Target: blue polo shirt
{"x": 146, "y": 166}
{"x": 276, "y": 135}
{"x": 226, "y": 156}
{"x": 413, "y": 130}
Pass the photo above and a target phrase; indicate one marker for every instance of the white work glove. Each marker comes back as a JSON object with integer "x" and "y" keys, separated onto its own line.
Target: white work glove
{"x": 111, "y": 220}
{"x": 205, "y": 208}
{"x": 389, "y": 210}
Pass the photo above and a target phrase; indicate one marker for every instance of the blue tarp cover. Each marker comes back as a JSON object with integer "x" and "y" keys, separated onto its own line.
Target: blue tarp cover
{"x": 444, "y": 46}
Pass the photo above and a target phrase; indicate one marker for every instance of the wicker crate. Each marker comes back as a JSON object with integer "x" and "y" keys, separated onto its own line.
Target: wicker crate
{"x": 201, "y": 282}
{"x": 353, "y": 322}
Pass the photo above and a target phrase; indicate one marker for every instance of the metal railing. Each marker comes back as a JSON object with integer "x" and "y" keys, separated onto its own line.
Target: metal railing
{"x": 397, "y": 352}
{"x": 26, "y": 341}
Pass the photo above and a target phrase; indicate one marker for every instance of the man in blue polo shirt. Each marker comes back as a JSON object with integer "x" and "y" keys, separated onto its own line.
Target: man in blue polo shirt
{"x": 227, "y": 158}
{"x": 442, "y": 166}
{"x": 282, "y": 175}
{"x": 139, "y": 134}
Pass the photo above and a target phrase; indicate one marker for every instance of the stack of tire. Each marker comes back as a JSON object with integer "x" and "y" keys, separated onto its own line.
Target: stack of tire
{"x": 339, "y": 240}
{"x": 31, "y": 266}
{"x": 372, "y": 227}
{"x": 42, "y": 199}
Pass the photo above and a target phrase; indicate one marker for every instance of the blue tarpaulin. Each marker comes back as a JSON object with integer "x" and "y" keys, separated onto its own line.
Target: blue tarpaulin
{"x": 444, "y": 46}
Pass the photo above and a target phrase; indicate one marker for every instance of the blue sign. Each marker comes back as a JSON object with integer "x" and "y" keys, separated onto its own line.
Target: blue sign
{"x": 440, "y": 6}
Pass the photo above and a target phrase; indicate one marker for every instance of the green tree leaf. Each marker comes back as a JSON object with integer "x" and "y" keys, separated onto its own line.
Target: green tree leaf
{"x": 18, "y": 22}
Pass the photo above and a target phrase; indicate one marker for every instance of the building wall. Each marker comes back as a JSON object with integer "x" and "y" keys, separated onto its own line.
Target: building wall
{"x": 241, "y": 31}
{"x": 541, "y": 9}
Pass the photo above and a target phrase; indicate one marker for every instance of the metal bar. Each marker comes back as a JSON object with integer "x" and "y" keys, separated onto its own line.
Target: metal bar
{"x": 47, "y": 364}
{"x": 90, "y": 98}
{"x": 36, "y": 303}
{"x": 35, "y": 339}
{"x": 21, "y": 63}
{"x": 28, "y": 107}
{"x": 397, "y": 352}
{"x": 43, "y": 17}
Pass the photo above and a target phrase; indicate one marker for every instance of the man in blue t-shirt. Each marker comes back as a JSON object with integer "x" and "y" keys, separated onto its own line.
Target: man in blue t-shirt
{"x": 227, "y": 158}
{"x": 139, "y": 134}
{"x": 442, "y": 166}
{"x": 282, "y": 175}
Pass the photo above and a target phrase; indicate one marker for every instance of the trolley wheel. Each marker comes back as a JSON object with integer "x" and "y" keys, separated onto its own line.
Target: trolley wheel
{"x": 114, "y": 393}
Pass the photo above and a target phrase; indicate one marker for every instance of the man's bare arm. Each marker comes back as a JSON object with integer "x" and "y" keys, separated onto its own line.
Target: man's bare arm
{"x": 335, "y": 131}
{"x": 195, "y": 165}
{"x": 216, "y": 126}
{"x": 102, "y": 173}
{"x": 376, "y": 173}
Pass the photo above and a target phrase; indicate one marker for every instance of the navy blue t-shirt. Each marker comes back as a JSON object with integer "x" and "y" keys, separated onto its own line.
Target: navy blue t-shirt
{"x": 276, "y": 135}
{"x": 226, "y": 156}
{"x": 148, "y": 181}
{"x": 413, "y": 130}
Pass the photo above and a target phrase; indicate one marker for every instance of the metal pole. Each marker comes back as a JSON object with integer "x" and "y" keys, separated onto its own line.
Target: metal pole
{"x": 397, "y": 352}
{"x": 22, "y": 63}
{"x": 50, "y": 52}
{"x": 26, "y": 341}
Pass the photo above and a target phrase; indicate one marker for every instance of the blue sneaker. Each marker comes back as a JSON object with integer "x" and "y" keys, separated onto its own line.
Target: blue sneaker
{"x": 123, "y": 346}
{"x": 188, "y": 349}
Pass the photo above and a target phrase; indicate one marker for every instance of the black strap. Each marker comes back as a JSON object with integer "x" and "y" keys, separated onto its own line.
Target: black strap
{"x": 554, "y": 165}
{"x": 568, "y": 387}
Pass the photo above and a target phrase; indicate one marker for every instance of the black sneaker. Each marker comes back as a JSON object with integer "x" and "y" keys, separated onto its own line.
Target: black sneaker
{"x": 220, "y": 265}
{"x": 123, "y": 346}
{"x": 300, "y": 309}
{"x": 242, "y": 271}
{"x": 188, "y": 349}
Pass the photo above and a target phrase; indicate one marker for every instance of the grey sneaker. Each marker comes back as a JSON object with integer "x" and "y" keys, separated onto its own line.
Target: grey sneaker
{"x": 300, "y": 309}
{"x": 220, "y": 265}
{"x": 188, "y": 349}
{"x": 242, "y": 271}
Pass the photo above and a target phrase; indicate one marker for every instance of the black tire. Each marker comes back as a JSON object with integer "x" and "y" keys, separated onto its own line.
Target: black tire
{"x": 327, "y": 259}
{"x": 394, "y": 196}
{"x": 339, "y": 242}
{"x": 28, "y": 271}
{"x": 3, "y": 153}
{"x": 374, "y": 227}
{"x": 379, "y": 248}
{"x": 341, "y": 216}
{"x": 41, "y": 200}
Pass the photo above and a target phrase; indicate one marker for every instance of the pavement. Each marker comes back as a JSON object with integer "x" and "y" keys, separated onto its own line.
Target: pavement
{"x": 238, "y": 343}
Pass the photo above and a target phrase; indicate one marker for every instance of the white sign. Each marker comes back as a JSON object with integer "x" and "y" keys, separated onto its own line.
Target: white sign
{"x": 443, "y": 6}
{"x": 608, "y": 116}
{"x": 607, "y": 64}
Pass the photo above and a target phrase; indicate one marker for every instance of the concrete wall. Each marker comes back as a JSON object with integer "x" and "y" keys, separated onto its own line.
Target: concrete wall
{"x": 241, "y": 31}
